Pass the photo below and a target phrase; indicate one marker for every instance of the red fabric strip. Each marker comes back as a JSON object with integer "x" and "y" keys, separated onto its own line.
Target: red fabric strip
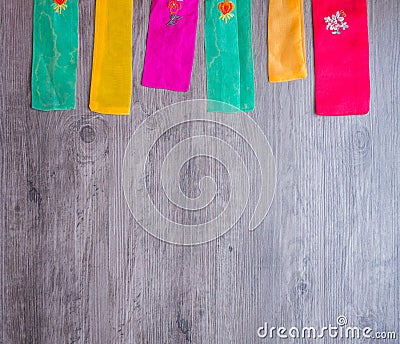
{"x": 341, "y": 48}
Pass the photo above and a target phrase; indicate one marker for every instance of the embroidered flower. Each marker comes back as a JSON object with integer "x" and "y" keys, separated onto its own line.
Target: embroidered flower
{"x": 174, "y": 7}
{"x": 59, "y": 5}
{"x": 336, "y": 22}
{"x": 226, "y": 8}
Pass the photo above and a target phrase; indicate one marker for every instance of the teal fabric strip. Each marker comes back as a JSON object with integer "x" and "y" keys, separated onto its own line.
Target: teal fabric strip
{"x": 229, "y": 55}
{"x": 244, "y": 11}
{"x": 55, "y": 54}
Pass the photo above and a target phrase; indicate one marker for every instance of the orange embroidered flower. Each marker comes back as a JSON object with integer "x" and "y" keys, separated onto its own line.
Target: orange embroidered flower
{"x": 59, "y": 5}
{"x": 226, "y": 8}
{"x": 174, "y": 6}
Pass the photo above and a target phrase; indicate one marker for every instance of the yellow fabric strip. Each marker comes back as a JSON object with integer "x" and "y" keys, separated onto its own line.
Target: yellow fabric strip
{"x": 286, "y": 41}
{"x": 111, "y": 88}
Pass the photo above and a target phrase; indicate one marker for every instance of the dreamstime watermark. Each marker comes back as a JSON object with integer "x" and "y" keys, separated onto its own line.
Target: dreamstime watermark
{"x": 341, "y": 330}
{"x": 194, "y": 112}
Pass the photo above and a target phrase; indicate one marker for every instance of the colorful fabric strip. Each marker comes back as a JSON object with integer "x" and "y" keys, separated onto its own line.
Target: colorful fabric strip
{"x": 170, "y": 45}
{"x": 55, "y": 54}
{"x": 342, "y": 78}
{"x": 229, "y": 55}
{"x": 111, "y": 88}
{"x": 286, "y": 41}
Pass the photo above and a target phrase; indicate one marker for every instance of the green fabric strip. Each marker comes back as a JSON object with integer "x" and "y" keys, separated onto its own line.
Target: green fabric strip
{"x": 55, "y": 54}
{"x": 229, "y": 55}
{"x": 246, "y": 55}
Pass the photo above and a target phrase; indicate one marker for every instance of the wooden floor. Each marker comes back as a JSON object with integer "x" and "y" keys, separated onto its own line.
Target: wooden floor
{"x": 77, "y": 268}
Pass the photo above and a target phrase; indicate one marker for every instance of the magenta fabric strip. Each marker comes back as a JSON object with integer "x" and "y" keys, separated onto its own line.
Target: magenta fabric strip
{"x": 171, "y": 41}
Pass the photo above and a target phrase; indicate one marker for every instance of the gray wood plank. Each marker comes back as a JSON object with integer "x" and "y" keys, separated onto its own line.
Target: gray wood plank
{"x": 77, "y": 268}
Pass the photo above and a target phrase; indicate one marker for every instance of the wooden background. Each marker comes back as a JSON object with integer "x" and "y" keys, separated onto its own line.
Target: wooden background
{"x": 76, "y": 268}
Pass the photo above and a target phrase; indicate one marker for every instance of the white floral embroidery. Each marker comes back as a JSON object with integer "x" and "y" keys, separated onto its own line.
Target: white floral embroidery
{"x": 336, "y": 22}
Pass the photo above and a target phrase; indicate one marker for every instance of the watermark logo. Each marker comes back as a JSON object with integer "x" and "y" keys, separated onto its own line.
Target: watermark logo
{"x": 194, "y": 112}
{"x": 340, "y": 330}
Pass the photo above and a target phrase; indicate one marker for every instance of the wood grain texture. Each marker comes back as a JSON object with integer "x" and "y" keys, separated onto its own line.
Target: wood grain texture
{"x": 76, "y": 268}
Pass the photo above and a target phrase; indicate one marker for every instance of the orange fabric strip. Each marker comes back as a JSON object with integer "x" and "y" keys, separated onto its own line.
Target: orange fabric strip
{"x": 286, "y": 41}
